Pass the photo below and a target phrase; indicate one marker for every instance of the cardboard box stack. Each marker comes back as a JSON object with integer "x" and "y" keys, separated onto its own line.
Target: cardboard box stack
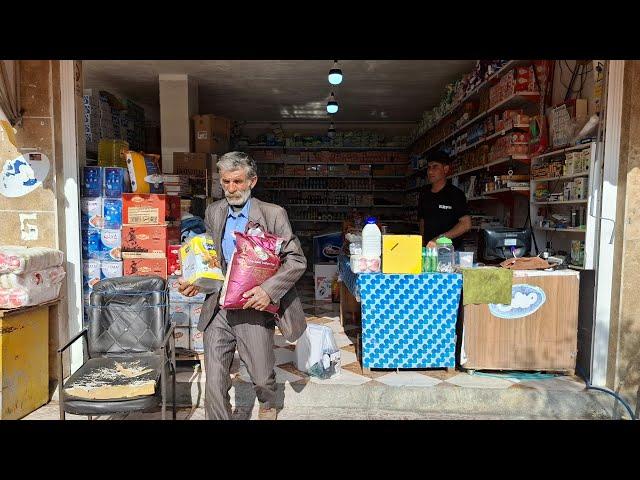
{"x": 102, "y": 189}
{"x": 211, "y": 134}
{"x": 98, "y": 120}
{"x": 135, "y": 126}
{"x": 185, "y": 311}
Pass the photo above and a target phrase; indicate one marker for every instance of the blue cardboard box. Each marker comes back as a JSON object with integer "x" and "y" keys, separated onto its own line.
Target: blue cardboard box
{"x": 114, "y": 182}
{"x": 91, "y": 212}
{"x": 92, "y": 181}
{"x": 327, "y": 247}
{"x": 91, "y": 243}
{"x": 112, "y": 213}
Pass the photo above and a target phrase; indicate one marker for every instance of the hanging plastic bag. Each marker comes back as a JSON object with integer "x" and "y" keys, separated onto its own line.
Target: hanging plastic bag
{"x": 317, "y": 353}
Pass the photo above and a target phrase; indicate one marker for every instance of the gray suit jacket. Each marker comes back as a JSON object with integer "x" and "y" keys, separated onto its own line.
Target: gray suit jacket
{"x": 280, "y": 287}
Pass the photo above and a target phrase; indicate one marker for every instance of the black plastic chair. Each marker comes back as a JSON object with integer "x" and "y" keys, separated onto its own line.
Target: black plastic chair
{"x": 128, "y": 329}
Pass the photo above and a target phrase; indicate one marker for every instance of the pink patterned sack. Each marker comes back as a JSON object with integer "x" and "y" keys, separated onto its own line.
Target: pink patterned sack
{"x": 255, "y": 260}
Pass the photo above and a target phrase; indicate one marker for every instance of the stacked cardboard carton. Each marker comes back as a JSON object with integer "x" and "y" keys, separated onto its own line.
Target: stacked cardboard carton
{"x": 101, "y": 206}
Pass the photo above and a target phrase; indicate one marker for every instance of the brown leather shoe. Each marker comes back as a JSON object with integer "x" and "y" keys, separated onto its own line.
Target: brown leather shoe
{"x": 267, "y": 413}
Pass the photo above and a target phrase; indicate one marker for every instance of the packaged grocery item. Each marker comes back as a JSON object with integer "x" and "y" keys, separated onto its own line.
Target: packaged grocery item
{"x": 25, "y": 296}
{"x": 92, "y": 181}
{"x": 114, "y": 182}
{"x": 145, "y": 266}
{"x": 363, "y": 264}
{"x": 182, "y": 336}
{"x": 143, "y": 209}
{"x": 173, "y": 259}
{"x": 179, "y": 313}
{"x": 91, "y": 243}
{"x": 195, "y": 310}
{"x": 173, "y": 232}
{"x": 402, "y": 254}
{"x": 144, "y": 238}
{"x": 39, "y": 278}
{"x": 200, "y": 264}
{"x": 256, "y": 258}
{"x": 91, "y": 273}
{"x": 91, "y": 210}
{"x": 112, "y": 213}
{"x": 197, "y": 341}
{"x": 173, "y": 208}
{"x": 110, "y": 244}
{"x": 144, "y": 173}
{"x": 17, "y": 259}
{"x": 111, "y": 269}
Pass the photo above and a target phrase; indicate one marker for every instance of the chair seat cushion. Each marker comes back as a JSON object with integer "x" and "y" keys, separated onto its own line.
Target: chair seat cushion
{"x": 114, "y": 379}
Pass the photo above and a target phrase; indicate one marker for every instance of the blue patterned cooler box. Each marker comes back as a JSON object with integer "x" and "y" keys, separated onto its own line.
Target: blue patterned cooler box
{"x": 409, "y": 321}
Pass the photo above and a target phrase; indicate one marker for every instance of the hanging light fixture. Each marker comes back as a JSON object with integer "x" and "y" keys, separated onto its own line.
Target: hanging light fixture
{"x": 332, "y": 105}
{"x": 335, "y": 74}
{"x": 332, "y": 131}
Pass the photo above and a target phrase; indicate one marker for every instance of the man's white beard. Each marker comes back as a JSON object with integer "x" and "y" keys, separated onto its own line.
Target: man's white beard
{"x": 238, "y": 198}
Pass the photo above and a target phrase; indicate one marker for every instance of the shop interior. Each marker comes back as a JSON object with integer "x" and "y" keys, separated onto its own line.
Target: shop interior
{"x": 523, "y": 138}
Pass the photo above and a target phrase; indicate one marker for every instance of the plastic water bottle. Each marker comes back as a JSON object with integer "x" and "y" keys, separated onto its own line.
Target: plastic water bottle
{"x": 446, "y": 258}
{"x": 371, "y": 239}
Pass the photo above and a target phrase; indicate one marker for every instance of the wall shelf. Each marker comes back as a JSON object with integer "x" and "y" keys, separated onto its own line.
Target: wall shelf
{"x": 567, "y": 230}
{"x": 564, "y": 177}
{"x": 516, "y": 100}
{"x": 562, "y": 150}
{"x": 474, "y": 93}
{"x": 563, "y": 202}
{"x": 522, "y": 158}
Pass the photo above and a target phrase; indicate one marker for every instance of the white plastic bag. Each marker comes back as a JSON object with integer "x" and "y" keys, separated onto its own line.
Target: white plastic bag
{"x": 317, "y": 353}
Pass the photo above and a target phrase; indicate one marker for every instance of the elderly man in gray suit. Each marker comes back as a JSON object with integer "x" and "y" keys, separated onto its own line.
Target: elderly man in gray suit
{"x": 250, "y": 330}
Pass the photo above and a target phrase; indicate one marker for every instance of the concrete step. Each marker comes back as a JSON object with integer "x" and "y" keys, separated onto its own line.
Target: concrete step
{"x": 454, "y": 401}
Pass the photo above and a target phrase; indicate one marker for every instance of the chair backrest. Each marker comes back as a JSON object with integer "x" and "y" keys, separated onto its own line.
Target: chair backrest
{"x": 127, "y": 316}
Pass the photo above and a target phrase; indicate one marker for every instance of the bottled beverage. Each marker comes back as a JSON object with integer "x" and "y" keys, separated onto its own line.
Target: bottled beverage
{"x": 371, "y": 239}
{"x": 446, "y": 259}
{"x": 424, "y": 260}
{"x": 432, "y": 259}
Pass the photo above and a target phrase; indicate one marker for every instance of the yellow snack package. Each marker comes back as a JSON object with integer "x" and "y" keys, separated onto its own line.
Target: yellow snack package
{"x": 200, "y": 263}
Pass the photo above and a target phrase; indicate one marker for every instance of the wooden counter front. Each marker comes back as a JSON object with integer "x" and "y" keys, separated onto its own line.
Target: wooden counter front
{"x": 543, "y": 340}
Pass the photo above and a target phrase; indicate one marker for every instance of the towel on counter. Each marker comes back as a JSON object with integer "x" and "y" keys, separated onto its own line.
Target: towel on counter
{"x": 486, "y": 285}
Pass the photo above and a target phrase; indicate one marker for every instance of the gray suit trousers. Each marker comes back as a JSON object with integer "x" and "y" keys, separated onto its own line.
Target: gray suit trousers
{"x": 252, "y": 333}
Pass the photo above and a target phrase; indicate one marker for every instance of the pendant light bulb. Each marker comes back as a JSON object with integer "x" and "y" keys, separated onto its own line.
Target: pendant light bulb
{"x": 335, "y": 74}
{"x": 332, "y": 105}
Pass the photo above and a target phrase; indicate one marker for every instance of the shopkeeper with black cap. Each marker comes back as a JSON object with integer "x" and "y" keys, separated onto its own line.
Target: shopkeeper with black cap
{"x": 442, "y": 207}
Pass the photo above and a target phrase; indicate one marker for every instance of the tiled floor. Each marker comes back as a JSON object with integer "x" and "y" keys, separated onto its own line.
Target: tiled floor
{"x": 327, "y": 313}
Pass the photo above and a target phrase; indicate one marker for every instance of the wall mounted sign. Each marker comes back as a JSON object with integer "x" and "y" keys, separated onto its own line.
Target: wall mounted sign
{"x": 23, "y": 174}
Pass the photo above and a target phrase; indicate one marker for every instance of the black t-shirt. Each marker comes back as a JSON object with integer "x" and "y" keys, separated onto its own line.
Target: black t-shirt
{"x": 441, "y": 211}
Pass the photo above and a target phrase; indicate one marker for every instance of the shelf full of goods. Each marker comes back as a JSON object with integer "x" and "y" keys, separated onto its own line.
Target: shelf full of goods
{"x": 108, "y": 118}
{"x": 561, "y": 195}
{"x": 321, "y": 186}
{"x": 351, "y": 139}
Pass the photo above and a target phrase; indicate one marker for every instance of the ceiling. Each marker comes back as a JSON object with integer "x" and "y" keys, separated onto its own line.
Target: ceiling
{"x": 270, "y": 90}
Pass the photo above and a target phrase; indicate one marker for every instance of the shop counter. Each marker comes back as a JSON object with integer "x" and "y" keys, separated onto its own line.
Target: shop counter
{"x": 537, "y": 331}
{"x": 408, "y": 321}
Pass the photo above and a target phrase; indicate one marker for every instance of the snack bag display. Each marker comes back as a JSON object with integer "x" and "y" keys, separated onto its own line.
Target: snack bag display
{"x": 200, "y": 264}
{"x": 255, "y": 259}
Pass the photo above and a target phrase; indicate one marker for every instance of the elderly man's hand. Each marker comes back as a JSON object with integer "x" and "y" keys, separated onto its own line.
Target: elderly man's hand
{"x": 258, "y": 299}
{"x": 187, "y": 289}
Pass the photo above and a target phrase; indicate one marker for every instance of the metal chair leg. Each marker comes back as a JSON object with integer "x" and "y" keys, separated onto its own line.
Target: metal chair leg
{"x": 60, "y": 385}
{"x": 175, "y": 372}
{"x": 163, "y": 382}
{"x": 90, "y": 417}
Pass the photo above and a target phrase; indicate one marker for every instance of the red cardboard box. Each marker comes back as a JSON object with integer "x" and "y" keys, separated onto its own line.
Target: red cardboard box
{"x": 173, "y": 233}
{"x": 173, "y": 208}
{"x": 173, "y": 260}
{"x": 145, "y": 266}
{"x": 144, "y": 238}
{"x": 143, "y": 209}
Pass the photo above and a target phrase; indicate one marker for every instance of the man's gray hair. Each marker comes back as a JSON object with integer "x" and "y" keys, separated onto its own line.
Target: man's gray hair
{"x": 236, "y": 160}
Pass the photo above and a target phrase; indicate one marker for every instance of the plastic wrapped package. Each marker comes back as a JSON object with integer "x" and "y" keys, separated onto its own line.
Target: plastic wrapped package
{"x": 255, "y": 259}
{"x": 362, "y": 264}
{"x": 47, "y": 277}
{"x": 16, "y": 259}
{"x": 317, "y": 353}
{"x": 200, "y": 264}
{"x": 25, "y": 296}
